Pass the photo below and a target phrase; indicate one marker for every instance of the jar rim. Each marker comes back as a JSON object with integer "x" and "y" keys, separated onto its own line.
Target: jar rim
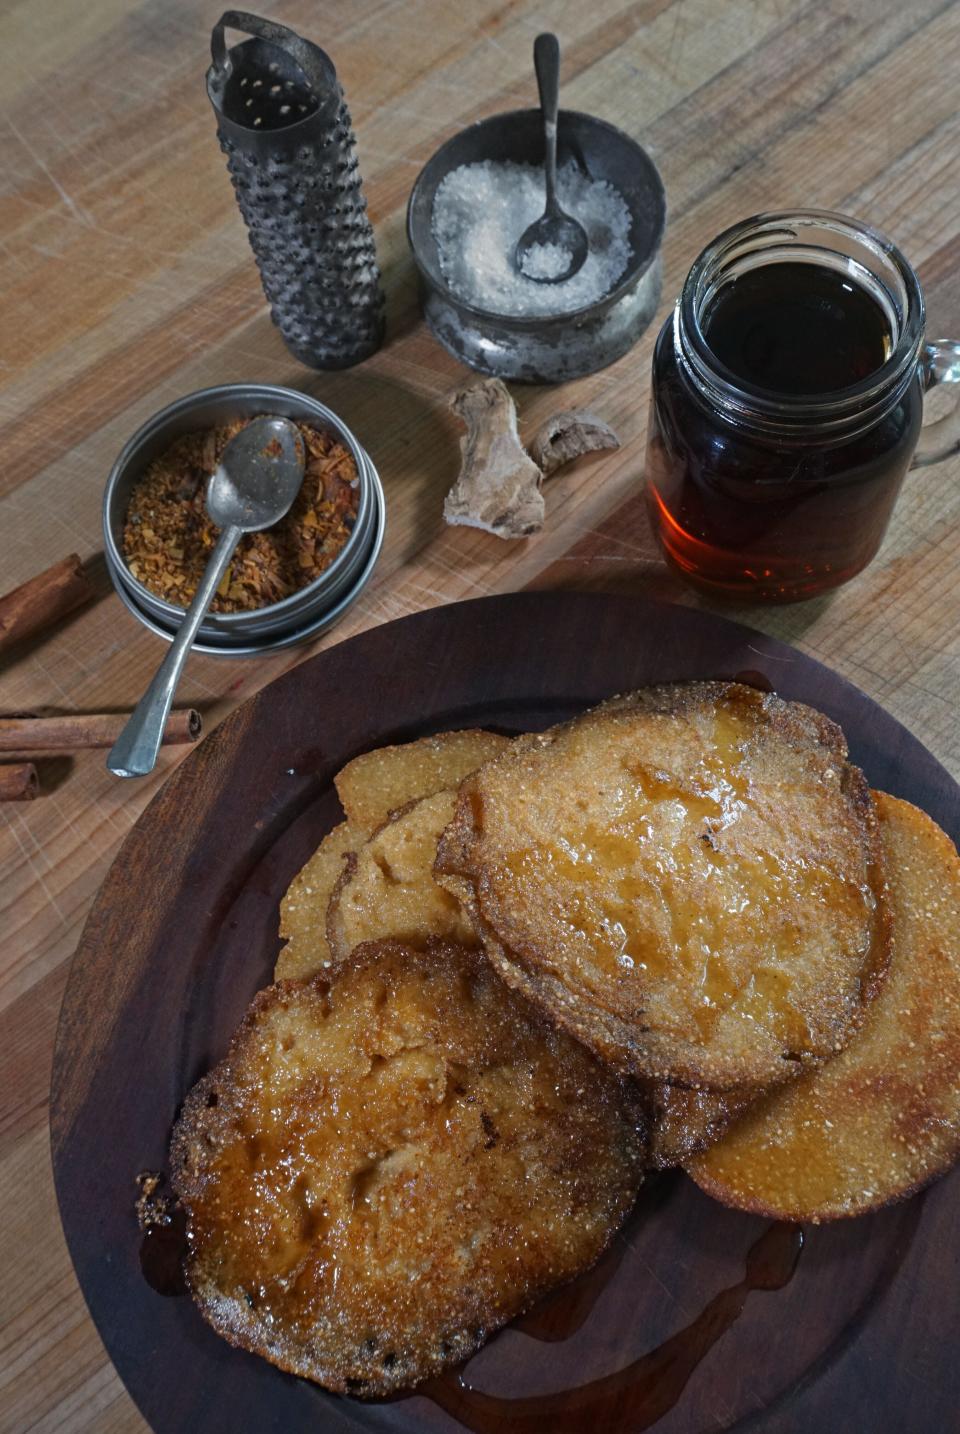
{"x": 747, "y": 401}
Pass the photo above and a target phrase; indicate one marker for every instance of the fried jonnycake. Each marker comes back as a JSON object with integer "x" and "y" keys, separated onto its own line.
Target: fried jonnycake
{"x": 393, "y": 1161}
{"x": 686, "y": 878}
{"x": 387, "y": 886}
{"x": 370, "y": 787}
{"x": 882, "y": 1118}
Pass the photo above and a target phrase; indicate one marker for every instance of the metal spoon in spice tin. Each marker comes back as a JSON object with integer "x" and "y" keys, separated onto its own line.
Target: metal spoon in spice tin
{"x": 254, "y": 486}
{"x": 555, "y": 246}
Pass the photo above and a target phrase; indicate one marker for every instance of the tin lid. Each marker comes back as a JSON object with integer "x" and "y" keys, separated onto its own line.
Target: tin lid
{"x": 307, "y": 625}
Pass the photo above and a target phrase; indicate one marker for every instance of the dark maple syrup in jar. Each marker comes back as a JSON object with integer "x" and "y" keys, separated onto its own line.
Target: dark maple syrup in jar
{"x": 798, "y": 329}
{"x": 779, "y": 433}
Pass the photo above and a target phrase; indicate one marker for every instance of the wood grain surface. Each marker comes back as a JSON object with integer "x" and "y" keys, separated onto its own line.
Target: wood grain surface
{"x": 127, "y": 280}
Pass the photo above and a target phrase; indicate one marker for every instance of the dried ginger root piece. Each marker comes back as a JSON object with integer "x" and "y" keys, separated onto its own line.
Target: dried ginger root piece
{"x": 498, "y": 488}
{"x": 568, "y": 435}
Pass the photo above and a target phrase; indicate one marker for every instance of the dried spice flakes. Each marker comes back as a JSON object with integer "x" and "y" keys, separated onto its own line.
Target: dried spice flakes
{"x": 168, "y": 535}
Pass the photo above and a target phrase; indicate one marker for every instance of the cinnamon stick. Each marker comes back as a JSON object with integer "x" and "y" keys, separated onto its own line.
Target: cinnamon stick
{"x": 18, "y": 782}
{"x": 72, "y": 733}
{"x": 42, "y": 600}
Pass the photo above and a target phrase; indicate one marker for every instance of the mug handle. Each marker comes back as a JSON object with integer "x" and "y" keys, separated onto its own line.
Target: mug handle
{"x": 939, "y": 363}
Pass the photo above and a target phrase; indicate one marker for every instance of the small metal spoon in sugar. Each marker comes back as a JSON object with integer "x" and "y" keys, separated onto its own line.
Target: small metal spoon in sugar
{"x": 253, "y": 487}
{"x": 555, "y": 246}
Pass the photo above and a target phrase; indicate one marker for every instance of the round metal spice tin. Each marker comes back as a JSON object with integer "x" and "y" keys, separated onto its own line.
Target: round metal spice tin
{"x": 302, "y": 615}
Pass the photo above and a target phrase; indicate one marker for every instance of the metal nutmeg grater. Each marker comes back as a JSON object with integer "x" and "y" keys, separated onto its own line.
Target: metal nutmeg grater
{"x": 285, "y": 128}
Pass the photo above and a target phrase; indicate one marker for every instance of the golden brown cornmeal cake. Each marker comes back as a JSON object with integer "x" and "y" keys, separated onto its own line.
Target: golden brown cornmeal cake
{"x": 393, "y": 1162}
{"x": 370, "y": 788}
{"x": 682, "y": 1122}
{"x": 881, "y": 1119}
{"x": 686, "y": 878}
{"x": 378, "y": 782}
{"x": 387, "y": 887}
{"x": 303, "y": 908}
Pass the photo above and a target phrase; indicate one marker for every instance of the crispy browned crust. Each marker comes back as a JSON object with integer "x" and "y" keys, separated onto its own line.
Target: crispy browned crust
{"x": 882, "y": 1119}
{"x": 392, "y": 1162}
{"x": 684, "y": 1122}
{"x": 521, "y": 808}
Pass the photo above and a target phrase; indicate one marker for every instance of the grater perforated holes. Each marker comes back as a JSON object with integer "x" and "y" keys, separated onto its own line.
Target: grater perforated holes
{"x": 326, "y": 304}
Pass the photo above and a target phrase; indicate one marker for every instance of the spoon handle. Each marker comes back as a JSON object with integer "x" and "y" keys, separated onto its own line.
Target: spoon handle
{"x": 546, "y": 62}
{"x": 134, "y": 753}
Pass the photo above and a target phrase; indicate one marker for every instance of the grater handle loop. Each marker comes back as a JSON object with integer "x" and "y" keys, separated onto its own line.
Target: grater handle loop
{"x": 306, "y": 56}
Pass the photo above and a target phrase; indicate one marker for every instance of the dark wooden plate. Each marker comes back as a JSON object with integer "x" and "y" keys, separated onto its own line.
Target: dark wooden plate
{"x": 676, "y": 1330}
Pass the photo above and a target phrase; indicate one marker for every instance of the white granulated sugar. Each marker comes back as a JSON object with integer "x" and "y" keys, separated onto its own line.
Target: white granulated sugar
{"x": 481, "y": 210}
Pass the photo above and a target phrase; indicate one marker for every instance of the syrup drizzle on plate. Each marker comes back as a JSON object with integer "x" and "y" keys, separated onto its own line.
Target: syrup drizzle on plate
{"x": 635, "y": 1397}
{"x": 162, "y": 1253}
{"x": 641, "y": 1393}
{"x": 560, "y": 1315}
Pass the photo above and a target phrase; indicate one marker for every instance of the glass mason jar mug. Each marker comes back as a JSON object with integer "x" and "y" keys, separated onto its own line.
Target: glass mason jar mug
{"x": 787, "y": 405}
